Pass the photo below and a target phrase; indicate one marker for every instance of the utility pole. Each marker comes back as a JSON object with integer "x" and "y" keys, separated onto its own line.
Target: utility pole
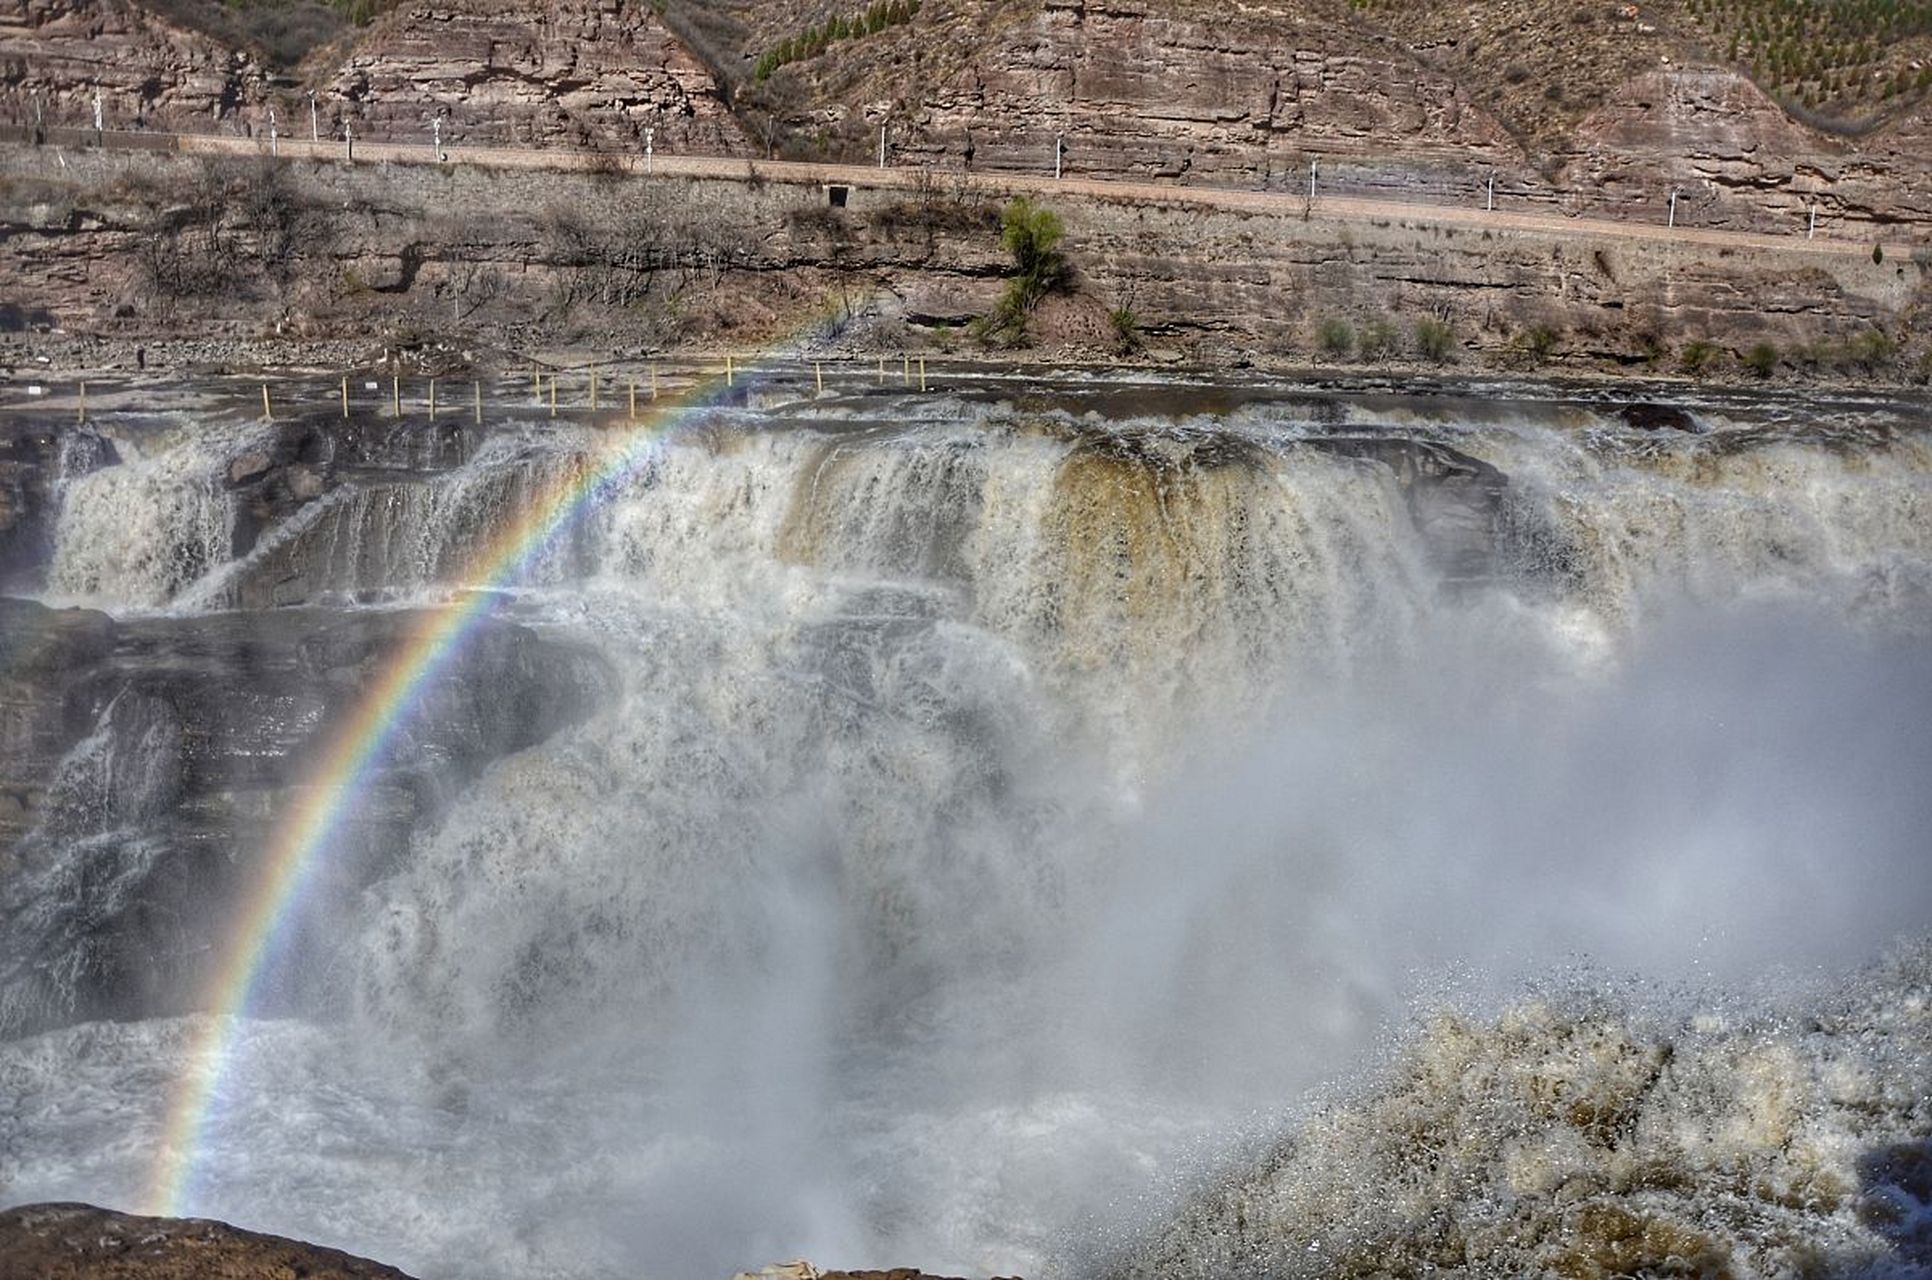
{"x": 315, "y": 122}
{"x": 650, "y": 164}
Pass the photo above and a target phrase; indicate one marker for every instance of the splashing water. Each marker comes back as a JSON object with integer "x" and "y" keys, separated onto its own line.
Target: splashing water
{"x": 1000, "y": 824}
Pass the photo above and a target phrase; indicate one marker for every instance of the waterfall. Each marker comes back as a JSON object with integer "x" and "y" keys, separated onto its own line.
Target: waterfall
{"x": 997, "y": 819}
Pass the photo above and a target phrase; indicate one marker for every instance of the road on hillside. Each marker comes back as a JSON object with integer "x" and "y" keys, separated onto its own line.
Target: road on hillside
{"x": 1285, "y": 204}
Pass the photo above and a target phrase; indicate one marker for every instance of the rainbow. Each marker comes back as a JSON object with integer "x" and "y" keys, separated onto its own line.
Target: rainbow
{"x": 352, "y": 752}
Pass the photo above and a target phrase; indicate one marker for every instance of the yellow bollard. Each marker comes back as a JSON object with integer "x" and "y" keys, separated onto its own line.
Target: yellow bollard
{"x": 395, "y": 392}
{"x": 267, "y": 412}
{"x": 432, "y": 399}
{"x": 730, "y": 373}
{"x": 536, "y": 383}
{"x": 553, "y": 395}
{"x": 477, "y": 387}
{"x": 633, "y": 414}
{"x": 818, "y": 371}
{"x": 905, "y": 370}
{"x": 922, "y": 375}
{"x": 345, "y": 397}
{"x": 83, "y": 402}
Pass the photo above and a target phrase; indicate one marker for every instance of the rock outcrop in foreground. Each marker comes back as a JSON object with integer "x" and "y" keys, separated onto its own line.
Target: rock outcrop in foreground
{"x": 81, "y": 1242}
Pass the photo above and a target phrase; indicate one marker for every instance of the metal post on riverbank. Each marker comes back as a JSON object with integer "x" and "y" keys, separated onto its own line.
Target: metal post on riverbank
{"x": 593, "y": 389}
{"x": 268, "y": 411}
{"x": 633, "y": 403}
{"x": 345, "y": 397}
{"x": 83, "y": 403}
{"x": 432, "y": 399}
{"x": 553, "y": 395}
{"x": 477, "y": 388}
{"x": 654, "y": 380}
{"x": 395, "y": 392}
{"x": 922, "y": 375}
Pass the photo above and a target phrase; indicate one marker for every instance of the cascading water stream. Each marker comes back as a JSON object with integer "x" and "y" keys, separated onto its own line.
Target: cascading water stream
{"x": 995, "y": 821}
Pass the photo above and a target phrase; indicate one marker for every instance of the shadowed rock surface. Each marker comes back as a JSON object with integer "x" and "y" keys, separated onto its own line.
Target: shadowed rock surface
{"x": 146, "y": 762}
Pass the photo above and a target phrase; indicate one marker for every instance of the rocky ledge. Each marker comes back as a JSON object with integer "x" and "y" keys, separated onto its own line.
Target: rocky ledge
{"x": 81, "y": 1242}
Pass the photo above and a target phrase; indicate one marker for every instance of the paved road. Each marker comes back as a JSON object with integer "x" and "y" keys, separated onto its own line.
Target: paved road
{"x": 1330, "y": 208}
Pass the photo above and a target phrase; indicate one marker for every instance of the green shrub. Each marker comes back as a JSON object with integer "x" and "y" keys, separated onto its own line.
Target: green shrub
{"x": 1126, "y": 327}
{"x": 1539, "y": 343}
{"x": 1337, "y": 337}
{"x": 1434, "y": 339}
{"x": 1872, "y": 350}
{"x": 1032, "y": 234}
{"x": 1762, "y": 359}
{"x": 813, "y": 41}
{"x": 1697, "y": 356}
{"x": 1378, "y": 339}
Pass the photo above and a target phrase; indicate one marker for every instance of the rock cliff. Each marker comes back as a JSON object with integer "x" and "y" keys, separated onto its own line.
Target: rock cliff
{"x": 1738, "y": 160}
{"x": 151, "y": 73}
{"x": 594, "y": 73}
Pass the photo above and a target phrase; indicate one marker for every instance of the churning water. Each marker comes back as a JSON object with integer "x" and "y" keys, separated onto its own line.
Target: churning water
{"x": 1404, "y": 835}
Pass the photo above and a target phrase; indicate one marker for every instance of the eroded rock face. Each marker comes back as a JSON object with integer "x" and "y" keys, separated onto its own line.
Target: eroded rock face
{"x": 1141, "y": 90}
{"x": 151, "y": 73}
{"x": 1739, "y": 161}
{"x": 148, "y": 761}
{"x": 575, "y": 73}
{"x": 81, "y": 1242}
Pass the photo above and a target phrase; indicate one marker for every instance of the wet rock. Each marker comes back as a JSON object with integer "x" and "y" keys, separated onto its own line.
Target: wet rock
{"x": 1645, "y": 416}
{"x": 247, "y": 467}
{"x": 147, "y": 762}
{"x": 81, "y": 1242}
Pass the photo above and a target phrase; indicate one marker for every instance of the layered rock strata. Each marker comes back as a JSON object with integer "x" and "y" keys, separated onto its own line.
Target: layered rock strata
{"x": 576, "y": 73}
{"x": 150, "y": 73}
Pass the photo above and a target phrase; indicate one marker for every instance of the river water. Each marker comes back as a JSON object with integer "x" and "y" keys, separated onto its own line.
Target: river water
{"x": 1097, "y": 829}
